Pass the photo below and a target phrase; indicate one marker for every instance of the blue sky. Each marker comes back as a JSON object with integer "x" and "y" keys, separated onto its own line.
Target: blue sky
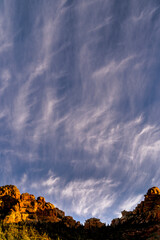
{"x": 79, "y": 102}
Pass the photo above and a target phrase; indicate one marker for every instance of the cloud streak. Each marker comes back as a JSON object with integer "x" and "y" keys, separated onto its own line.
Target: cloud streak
{"x": 85, "y": 198}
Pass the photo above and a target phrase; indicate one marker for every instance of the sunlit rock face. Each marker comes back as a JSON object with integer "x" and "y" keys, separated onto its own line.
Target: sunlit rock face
{"x": 145, "y": 212}
{"x": 10, "y": 190}
{"x": 16, "y": 207}
{"x": 153, "y": 191}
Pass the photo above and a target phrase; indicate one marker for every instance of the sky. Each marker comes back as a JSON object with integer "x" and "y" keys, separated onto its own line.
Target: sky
{"x": 79, "y": 102}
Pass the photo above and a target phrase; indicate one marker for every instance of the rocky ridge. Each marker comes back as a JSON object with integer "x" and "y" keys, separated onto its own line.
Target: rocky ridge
{"x": 146, "y": 212}
{"x": 141, "y": 223}
{"x": 16, "y": 207}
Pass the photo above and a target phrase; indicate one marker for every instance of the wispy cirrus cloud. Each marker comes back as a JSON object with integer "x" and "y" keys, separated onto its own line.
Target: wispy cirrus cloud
{"x": 79, "y": 95}
{"x": 113, "y": 67}
{"x": 5, "y": 78}
{"x": 145, "y": 14}
{"x": 48, "y": 120}
{"x": 90, "y": 197}
{"x": 6, "y": 39}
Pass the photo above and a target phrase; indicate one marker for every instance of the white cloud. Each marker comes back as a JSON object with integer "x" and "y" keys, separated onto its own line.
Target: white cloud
{"x": 99, "y": 26}
{"x": 113, "y": 67}
{"x": 88, "y": 128}
{"x": 51, "y": 181}
{"x": 3, "y": 114}
{"x": 22, "y": 184}
{"x": 5, "y": 32}
{"x": 21, "y": 109}
{"x": 90, "y": 197}
{"x": 95, "y": 131}
{"x": 145, "y": 14}
{"x": 48, "y": 119}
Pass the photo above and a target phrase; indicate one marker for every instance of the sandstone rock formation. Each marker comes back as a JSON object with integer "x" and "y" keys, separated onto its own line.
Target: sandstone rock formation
{"x": 16, "y": 207}
{"x": 93, "y": 223}
{"x": 145, "y": 212}
{"x": 10, "y": 190}
{"x": 69, "y": 222}
{"x": 141, "y": 223}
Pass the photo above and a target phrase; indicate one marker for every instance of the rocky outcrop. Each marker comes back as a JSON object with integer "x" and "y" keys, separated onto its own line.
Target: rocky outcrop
{"x": 146, "y": 212}
{"x": 141, "y": 223}
{"x": 69, "y": 222}
{"x": 16, "y": 207}
{"x": 93, "y": 223}
{"x": 10, "y": 190}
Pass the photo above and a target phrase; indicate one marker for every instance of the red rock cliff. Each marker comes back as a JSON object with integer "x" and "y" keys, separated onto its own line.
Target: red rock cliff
{"x": 16, "y": 207}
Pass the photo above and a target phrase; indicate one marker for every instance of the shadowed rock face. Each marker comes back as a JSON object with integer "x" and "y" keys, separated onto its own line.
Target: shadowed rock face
{"x": 145, "y": 212}
{"x": 16, "y": 207}
{"x": 93, "y": 223}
